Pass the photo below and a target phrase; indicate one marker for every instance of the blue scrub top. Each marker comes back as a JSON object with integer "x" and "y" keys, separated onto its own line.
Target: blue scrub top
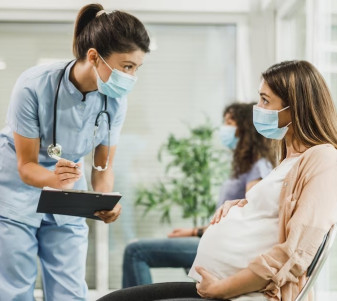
{"x": 30, "y": 114}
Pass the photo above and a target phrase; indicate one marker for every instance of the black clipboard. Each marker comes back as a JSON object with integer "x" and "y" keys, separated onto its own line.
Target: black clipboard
{"x": 76, "y": 202}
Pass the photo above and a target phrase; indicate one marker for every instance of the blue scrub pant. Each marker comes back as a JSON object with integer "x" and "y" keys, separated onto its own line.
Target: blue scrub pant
{"x": 62, "y": 251}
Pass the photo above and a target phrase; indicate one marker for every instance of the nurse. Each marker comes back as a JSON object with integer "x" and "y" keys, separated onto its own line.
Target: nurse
{"x": 53, "y": 111}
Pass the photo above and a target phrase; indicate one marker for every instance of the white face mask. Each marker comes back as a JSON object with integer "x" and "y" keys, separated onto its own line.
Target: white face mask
{"x": 118, "y": 85}
{"x": 266, "y": 123}
{"x": 227, "y": 136}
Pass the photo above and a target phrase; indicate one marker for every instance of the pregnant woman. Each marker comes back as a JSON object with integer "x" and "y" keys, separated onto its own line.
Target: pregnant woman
{"x": 261, "y": 251}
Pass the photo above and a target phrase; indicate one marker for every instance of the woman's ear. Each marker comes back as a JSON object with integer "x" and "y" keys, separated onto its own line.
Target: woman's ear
{"x": 93, "y": 57}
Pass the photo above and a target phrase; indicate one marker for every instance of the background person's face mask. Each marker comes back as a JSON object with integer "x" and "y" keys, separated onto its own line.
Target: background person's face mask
{"x": 266, "y": 123}
{"x": 227, "y": 136}
{"x": 118, "y": 85}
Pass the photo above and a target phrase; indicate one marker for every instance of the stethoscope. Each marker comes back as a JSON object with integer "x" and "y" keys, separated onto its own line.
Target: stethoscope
{"x": 54, "y": 150}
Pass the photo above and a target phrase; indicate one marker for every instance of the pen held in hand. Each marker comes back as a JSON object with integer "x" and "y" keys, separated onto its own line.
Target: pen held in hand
{"x": 59, "y": 158}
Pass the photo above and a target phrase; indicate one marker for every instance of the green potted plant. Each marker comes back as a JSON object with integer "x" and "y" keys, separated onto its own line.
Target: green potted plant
{"x": 195, "y": 168}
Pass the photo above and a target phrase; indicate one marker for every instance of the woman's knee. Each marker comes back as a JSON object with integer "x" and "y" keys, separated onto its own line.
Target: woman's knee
{"x": 131, "y": 249}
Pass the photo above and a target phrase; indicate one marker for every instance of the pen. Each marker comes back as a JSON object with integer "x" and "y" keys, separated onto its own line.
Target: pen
{"x": 59, "y": 158}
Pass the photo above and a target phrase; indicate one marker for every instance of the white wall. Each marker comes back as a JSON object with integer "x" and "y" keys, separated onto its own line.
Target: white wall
{"x": 66, "y": 10}
{"x": 142, "y": 5}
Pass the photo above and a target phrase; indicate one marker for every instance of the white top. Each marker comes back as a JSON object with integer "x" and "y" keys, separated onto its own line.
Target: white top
{"x": 246, "y": 232}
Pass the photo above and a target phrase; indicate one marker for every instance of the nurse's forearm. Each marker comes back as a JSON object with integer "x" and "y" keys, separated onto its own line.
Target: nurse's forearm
{"x": 35, "y": 175}
{"x": 242, "y": 282}
{"x": 102, "y": 181}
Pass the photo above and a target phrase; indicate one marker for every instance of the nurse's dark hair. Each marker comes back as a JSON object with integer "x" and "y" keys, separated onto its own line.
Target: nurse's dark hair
{"x": 301, "y": 87}
{"x": 251, "y": 145}
{"x": 116, "y": 31}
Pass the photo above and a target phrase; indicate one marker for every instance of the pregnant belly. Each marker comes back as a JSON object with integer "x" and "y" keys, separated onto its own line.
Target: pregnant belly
{"x": 227, "y": 247}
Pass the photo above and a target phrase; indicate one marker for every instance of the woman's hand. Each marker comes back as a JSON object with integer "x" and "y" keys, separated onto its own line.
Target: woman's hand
{"x": 206, "y": 288}
{"x": 225, "y": 207}
{"x": 109, "y": 216}
{"x": 67, "y": 173}
{"x": 181, "y": 232}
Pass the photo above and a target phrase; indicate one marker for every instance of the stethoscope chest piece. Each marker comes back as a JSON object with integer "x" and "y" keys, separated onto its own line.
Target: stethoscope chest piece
{"x": 54, "y": 150}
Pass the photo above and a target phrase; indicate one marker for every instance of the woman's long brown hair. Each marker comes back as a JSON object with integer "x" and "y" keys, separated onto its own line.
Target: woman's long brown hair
{"x": 251, "y": 145}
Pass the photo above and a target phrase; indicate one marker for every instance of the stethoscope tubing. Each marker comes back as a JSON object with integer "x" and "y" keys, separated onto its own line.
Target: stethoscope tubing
{"x": 55, "y": 101}
{"x": 55, "y": 106}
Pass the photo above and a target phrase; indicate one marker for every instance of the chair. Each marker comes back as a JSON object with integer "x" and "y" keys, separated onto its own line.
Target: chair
{"x": 318, "y": 262}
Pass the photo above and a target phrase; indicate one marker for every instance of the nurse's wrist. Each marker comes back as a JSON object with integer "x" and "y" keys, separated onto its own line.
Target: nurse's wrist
{"x": 53, "y": 182}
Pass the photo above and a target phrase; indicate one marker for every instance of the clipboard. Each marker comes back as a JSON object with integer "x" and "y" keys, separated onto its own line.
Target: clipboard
{"x": 76, "y": 202}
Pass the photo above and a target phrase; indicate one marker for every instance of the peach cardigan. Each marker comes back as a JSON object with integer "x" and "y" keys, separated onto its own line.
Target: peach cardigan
{"x": 307, "y": 210}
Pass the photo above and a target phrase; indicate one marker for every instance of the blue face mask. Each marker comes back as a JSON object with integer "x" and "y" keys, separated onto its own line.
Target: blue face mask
{"x": 266, "y": 123}
{"x": 227, "y": 136}
{"x": 118, "y": 85}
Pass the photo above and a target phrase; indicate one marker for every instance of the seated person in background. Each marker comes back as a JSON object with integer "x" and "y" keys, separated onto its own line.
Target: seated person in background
{"x": 252, "y": 161}
{"x": 301, "y": 194}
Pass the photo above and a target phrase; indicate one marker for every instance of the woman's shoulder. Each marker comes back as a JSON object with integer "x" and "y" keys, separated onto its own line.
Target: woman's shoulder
{"x": 263, "y": 163}
{"x": 32, "y": 74}
{"x": 322, "y": 151}
{"x": 260, "y": 168}
{"x": 320, "y": 157}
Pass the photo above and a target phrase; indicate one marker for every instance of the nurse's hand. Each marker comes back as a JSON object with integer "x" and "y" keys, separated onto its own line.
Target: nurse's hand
{"x": 109, "y": 216}
{"x": 67, "y": 173}
{"x": 225, "y": 207}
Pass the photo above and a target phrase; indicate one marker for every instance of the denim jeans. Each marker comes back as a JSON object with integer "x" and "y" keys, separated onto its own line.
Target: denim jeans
{"x": 144, "y": 254}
